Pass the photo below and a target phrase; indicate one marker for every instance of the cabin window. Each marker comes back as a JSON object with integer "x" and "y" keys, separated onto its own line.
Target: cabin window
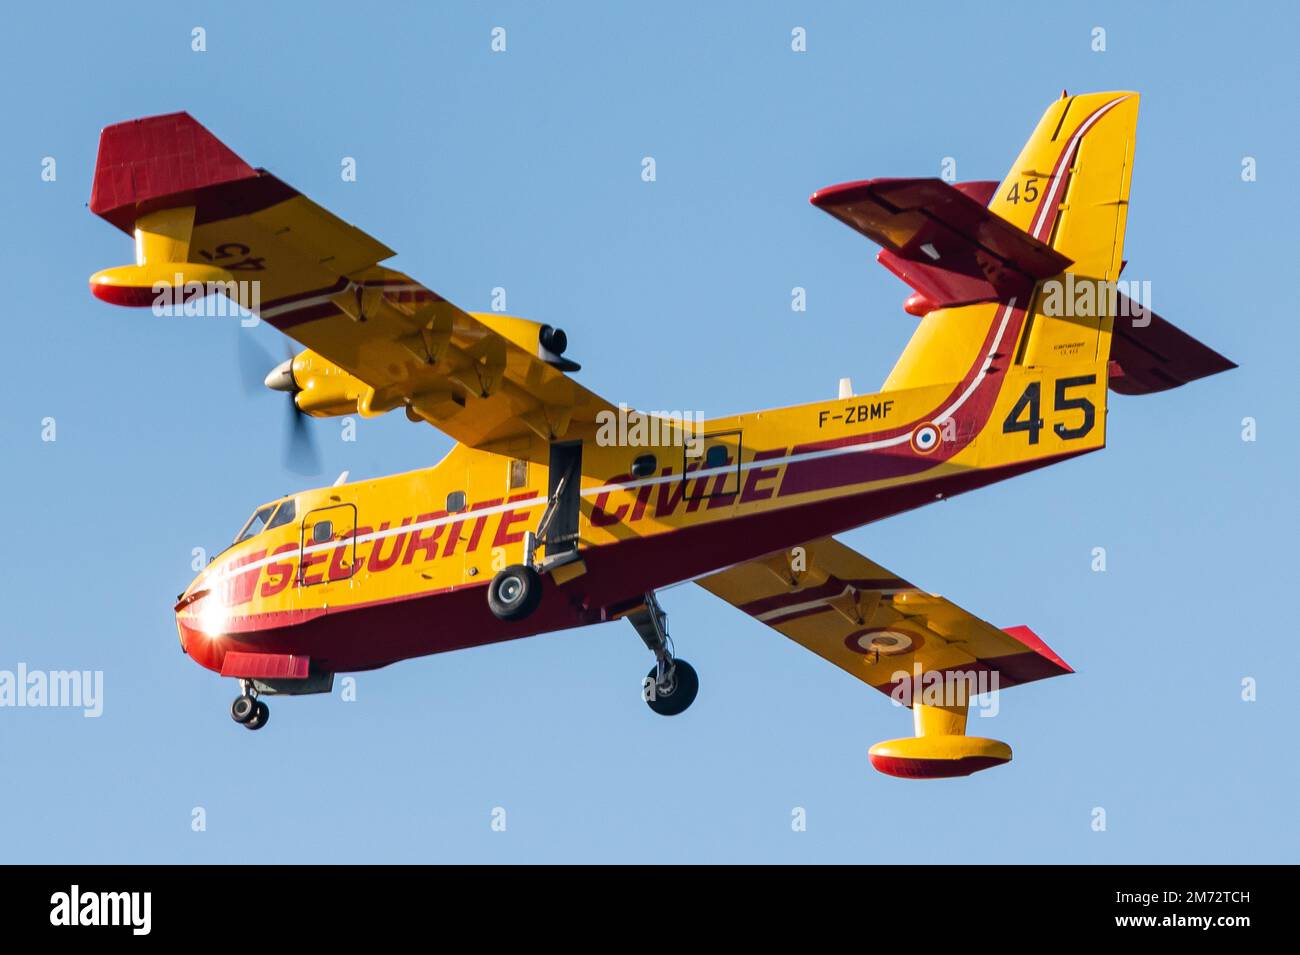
{"x": 256, "y": 524}
{"x": 322, "y": 532}
{"x": 284, "y": 514}
{"x": 644, "y": 466}
{"x": 518, "y": 475}
{"x": 455, "y": 502}
{"x": 716, "y": 456}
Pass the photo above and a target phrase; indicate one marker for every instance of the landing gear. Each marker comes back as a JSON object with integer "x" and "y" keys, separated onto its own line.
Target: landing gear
{"x": 242, "y": 710}
{"x": 261, "y": 713}
{"x": 676, "y": 691}
{"x": 672, "y": 685}
{"x": 514, "y": 592}
{"x": 248, "y": 709}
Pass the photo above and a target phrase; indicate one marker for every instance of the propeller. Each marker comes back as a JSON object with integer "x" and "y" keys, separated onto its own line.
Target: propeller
{"x": 300, "y": 453}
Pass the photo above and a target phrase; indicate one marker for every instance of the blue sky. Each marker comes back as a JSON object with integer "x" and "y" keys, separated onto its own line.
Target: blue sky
{"x": 522, "y": 170}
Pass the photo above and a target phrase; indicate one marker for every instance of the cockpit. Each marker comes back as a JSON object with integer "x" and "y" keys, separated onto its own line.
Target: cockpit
{"x": 267, "y": 517}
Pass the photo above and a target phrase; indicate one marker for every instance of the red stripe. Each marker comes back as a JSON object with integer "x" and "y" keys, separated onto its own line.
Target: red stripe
{"x": 398, "y": 628}
{"x": 831, "y": 472}
{"x": 334, "y": 289}
{"x": 912, "y": 768}
{"x": 1066, "y": 158}
{"x": 309, "y": 313}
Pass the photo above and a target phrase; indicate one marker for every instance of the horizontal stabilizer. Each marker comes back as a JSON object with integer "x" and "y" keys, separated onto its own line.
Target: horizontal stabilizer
{"x": 1157, "y": 355}
{"x": 941, "y": 239}
{"x": 981, "y": 190}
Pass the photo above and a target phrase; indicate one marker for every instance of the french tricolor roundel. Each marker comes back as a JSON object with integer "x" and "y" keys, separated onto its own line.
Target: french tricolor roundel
{"x": 887, "y": 643}
{"x": 925, "y": 438}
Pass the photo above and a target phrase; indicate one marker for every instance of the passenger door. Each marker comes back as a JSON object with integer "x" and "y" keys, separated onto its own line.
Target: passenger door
{"x": 327, "y": 546}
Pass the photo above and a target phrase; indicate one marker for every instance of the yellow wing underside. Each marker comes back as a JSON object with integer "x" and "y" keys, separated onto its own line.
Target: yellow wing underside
{"x": 872, "y": 624}
{"x": 472, "y": 376}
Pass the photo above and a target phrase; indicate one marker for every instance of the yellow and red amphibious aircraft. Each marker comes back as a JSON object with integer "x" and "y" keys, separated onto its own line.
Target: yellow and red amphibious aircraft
{"x": 545, "y": 515}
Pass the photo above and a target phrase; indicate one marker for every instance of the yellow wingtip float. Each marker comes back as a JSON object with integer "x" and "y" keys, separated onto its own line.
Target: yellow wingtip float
{"x": 557, "y": 509}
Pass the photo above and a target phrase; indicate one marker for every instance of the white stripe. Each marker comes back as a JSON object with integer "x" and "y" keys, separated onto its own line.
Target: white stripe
{"x": 228, "y": 571}
{"x": 988, "y": 362}
{"x": 828, "y": 452}
{"x": 296, "y": 306}
{"x": 1050, "y": 200}
{"x": 329, "y": 297}
{"x": 779, "y": 613}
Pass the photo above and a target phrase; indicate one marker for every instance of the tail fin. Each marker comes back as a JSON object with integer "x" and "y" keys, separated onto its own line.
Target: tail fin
{"x": 1061, "y": 209}
{"x": 1069, "y": 186}
{"x": 1017, "y": 289}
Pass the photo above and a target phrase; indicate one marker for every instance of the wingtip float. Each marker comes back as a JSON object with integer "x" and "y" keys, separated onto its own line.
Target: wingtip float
{"x": 538, "y": 521}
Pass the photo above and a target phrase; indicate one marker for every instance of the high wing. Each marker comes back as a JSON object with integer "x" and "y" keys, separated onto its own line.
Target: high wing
{"x": 199, "y": 211}
{"x": 873, "y": 624}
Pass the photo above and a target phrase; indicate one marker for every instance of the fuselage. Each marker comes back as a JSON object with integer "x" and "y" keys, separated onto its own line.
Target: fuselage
{"x": 367, "y": 573}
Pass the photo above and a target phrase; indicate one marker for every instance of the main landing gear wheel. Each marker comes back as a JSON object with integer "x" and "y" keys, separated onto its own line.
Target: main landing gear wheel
{"x": 248, "y": 710}
{"x": 672, "y": 685}
{"x": 243, "y": 709}
{"x": 514, "y": 592}
{"x": 261, "y": 713}
{"x": 675, "y": 692}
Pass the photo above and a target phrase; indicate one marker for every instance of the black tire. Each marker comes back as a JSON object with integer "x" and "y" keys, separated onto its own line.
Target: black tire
{"x": 261, "y": 713}
{"x": 243, "y": 709}
{"x": 514, "y": 592}
{"x": 685, "y": 685}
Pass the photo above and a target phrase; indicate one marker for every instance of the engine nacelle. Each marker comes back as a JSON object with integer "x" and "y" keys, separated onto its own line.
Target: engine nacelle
{"x": 545, "y": 341}
{"x": 321, "y": 388}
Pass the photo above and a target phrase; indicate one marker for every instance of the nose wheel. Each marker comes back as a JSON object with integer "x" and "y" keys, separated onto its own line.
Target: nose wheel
{"x": 248, "y": 710}
{"x": 672, "y": 685}
{"x": 516, "y": 591}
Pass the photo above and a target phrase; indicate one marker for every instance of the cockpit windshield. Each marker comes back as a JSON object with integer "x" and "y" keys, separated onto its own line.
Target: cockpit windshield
{"x": 284, "y": 514}
{"x": 257, "y": 523}
{"x": 270, "y": 516}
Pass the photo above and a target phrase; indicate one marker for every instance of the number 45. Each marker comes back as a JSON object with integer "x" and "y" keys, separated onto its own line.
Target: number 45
{"x": 1026, "y": 414}
{"x": 1029, "y": 193}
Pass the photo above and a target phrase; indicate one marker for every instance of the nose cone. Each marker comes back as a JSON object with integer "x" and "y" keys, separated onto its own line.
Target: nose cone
{"x": 281, "y": 377}
{"x": 199, "y": 622}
